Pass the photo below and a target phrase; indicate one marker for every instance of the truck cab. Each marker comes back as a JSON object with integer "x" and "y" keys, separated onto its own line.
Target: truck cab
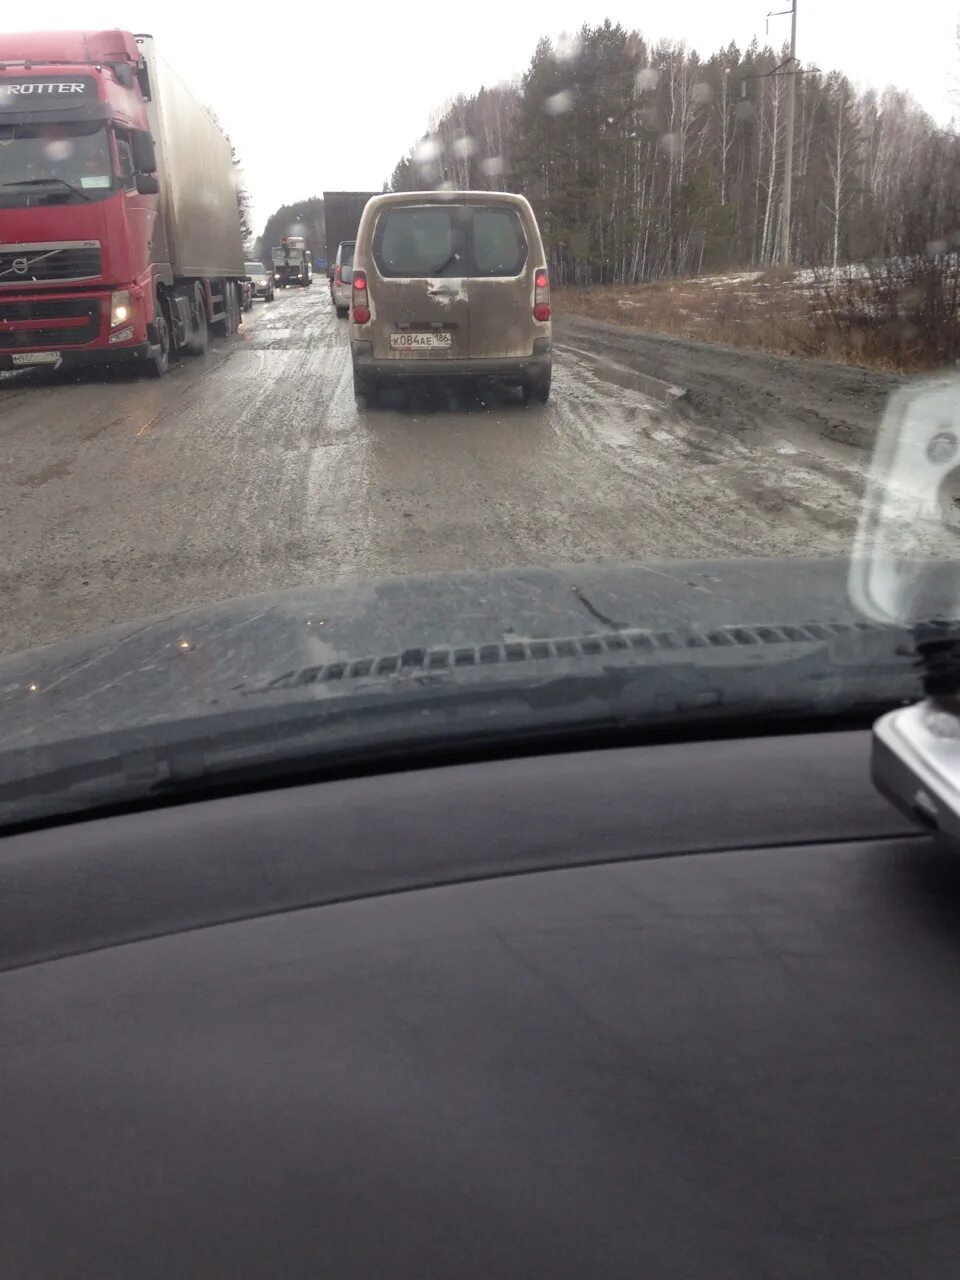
{"x": 77, "y": 199}
{"x": 292, "y": 262}
{"x": 86, "y": 219}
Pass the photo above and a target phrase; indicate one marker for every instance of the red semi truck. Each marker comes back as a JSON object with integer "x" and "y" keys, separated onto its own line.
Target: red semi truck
{"x": 119, "y": 227}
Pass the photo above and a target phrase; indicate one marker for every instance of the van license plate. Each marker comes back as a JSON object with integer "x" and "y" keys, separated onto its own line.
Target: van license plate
{"x": 36, "y": 357}
{"x": 421, "y": 341}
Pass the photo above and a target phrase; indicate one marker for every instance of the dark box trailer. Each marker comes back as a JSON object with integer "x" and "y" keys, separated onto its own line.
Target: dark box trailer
{"x": 341, "y": 213}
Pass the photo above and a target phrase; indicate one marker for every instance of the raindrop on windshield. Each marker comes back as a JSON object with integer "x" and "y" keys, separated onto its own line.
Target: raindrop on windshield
{"x": 59, "y": 149}
{"x": 670, "y": 142}
{"x": 559, "y": 103}
{"x": 426, "y": 150}
{"x": 568, "y": 46}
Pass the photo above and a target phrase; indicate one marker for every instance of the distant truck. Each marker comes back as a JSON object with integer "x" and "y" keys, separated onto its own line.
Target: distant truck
{"x": 120, "y": 232}
{"x": 341, "y": 214}
{"x": 292, "y": 262}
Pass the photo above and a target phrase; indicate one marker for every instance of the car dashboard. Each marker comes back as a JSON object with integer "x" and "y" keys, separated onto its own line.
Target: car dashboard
{"x": 674, "y": 1010}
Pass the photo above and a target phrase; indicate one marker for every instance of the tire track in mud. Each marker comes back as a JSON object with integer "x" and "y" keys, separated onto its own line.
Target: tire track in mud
{"x": 740, "y": 494}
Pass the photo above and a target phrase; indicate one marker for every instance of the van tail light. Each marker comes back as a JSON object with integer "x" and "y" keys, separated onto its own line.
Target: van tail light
{"x": 337, "y": 276}
{"x": 541, "y": 295}
{"x": 359, "y": 299}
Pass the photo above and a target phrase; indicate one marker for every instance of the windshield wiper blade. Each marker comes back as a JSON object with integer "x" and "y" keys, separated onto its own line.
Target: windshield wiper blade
{"x": 443, "y": 265}
{"x": 45, "y": 182}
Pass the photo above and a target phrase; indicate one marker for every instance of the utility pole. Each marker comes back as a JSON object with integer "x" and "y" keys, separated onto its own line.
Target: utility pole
{"x": 788, "y": 164}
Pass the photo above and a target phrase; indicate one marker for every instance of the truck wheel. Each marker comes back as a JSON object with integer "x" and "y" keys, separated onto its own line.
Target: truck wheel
{"x": 230, "y": 323}
{"x": 342, "y": 313}
{"x": 199, "y": 339}
{"x": 156, "y": 366}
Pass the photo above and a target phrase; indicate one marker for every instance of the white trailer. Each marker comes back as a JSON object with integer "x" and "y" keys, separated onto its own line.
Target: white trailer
{"x": 197, "y": 240}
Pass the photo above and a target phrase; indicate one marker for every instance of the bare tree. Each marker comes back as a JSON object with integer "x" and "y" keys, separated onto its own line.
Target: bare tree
{"x": 646, "y": 161}
{"x": 842, "y": 157}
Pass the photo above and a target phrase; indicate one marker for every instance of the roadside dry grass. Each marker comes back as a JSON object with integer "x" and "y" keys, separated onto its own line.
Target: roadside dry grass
{"x": 773, "y": 310}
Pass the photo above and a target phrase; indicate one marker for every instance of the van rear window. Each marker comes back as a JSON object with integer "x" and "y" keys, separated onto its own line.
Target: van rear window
{"x": 449, "y": 240}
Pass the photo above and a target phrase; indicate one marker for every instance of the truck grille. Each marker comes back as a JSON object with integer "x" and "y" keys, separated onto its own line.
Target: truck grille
{"x": 86, "y": 310}
{"x": 21, "y": 264}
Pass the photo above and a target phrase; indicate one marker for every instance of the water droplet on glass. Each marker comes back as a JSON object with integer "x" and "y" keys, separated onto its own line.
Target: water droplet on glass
{"x": 559, "y": 103}
{"x": 568, "y": 46}
{"x": 942, "y": 447}
{"x": 59, "y": 149}
{"x": 647, "y": 79}
{"x": 427, "y": 149}
{"x": 670, "y": 142}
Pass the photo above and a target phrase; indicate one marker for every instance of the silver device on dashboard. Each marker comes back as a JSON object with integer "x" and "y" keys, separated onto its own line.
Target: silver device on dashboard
{"x": 905, "y": 571}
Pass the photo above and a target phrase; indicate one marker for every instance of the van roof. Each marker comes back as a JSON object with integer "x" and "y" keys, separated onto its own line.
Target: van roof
{"x": 509, "y": 198}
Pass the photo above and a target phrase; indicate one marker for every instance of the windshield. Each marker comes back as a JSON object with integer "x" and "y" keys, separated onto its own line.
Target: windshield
{"x": 571, "y": 328}
{"x": 51, "y": 158}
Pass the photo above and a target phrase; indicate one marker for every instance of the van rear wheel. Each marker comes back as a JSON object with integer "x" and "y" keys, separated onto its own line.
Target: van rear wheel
{"x": 364, "y": 390}
{"x": 536, "y": 389}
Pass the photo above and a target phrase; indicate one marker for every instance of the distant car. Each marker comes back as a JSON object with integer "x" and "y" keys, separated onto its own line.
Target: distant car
{"x": 450, "y": 287}
{"x": 261, "y": 279}
{"x": 341, "y": 283}
{"x": 246, "y": 295}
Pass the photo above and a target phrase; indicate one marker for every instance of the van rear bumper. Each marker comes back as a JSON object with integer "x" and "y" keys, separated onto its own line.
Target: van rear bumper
{"x": 411, "y": 368}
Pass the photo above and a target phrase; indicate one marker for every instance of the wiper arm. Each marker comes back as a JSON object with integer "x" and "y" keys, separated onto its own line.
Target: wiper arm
{"x": 45, "y": 182}
{"x": 443, "y": 265}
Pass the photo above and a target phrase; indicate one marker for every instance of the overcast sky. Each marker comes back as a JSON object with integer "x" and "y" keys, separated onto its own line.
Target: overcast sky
{"x": 313, "y": 102}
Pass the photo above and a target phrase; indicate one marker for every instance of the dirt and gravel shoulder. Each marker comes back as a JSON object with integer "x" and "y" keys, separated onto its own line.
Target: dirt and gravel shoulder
{"x": 745, "y": 392}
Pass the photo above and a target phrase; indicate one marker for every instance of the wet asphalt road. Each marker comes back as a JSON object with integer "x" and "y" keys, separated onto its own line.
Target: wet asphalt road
{"x": 252, "y": 470}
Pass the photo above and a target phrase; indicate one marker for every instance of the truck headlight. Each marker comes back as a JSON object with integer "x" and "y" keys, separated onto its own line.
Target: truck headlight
{"x": 120, "y": 309}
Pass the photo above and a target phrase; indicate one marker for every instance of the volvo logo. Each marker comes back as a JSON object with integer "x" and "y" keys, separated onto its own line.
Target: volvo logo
{"x": 20, "y": 266}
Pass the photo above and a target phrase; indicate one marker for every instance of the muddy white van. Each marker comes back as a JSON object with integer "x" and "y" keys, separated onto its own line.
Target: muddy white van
{"x": 450, "y": 285}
